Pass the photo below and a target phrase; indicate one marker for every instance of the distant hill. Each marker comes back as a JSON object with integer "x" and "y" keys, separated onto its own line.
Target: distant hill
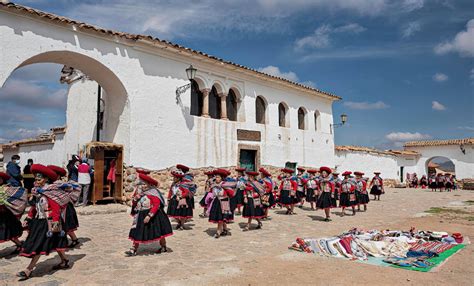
{"x": 447, "y": 166}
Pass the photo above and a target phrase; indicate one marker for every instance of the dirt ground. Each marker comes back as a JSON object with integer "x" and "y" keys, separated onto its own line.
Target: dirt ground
{"x": 258, "y": 257}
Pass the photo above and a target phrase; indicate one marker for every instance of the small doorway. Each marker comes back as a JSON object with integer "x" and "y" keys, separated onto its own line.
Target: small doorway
{"x": 248, "y": 159}
{"x": 108, "y": 171}
{"x": 291, "y": 165}
{"x": 401, "y": 174}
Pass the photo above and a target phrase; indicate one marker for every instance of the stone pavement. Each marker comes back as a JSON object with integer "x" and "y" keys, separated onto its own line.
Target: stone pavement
{"x": 254, "y": 257}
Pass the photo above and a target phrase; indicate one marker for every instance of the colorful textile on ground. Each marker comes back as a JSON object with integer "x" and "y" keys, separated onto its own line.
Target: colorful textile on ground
{"x": 14, "y": 198}
{"x": 420, "y": 251}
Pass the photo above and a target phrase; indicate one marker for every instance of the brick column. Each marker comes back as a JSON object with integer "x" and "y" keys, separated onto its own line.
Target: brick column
{"x": 205, "y": 102}
{"x": 223, "y": 97}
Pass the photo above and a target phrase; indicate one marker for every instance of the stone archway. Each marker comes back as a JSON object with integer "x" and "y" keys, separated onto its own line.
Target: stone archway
{"x": 440, "y": 164}
{"x": 116, "y": 111}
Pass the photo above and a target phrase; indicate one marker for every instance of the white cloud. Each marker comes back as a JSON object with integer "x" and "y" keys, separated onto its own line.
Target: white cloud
{"x": 471, "y": 74}
{"x": 32, "y": 94}
{"x": 412, "y": 5}
{"x": 275, "y": 71}
{"x": 463, "y": 43}
{"x": 320, "y": 38}
{"x": 309, "y": 83}
{"x": 398, "y": 138}
{"x": 435, "y": 105}
{"x": 440, "y": 77}
{"x": 410, "y": 29}
{"x": 366, "y": 105}
{"x": 467, "y": 128}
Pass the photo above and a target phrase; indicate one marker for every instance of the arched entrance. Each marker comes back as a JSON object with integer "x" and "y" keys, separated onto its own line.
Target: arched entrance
{"x": 440, "y": 164}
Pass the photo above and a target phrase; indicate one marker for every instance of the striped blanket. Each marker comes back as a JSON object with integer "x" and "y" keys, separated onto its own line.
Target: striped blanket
{"x": 431, "y": 246}
{"x": 14, "y": 198}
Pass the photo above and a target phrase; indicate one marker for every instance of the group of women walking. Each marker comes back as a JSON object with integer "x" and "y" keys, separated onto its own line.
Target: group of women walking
{"x": 52, "y": 218}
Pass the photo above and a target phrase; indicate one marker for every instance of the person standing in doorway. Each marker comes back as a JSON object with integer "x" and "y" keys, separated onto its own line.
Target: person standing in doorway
{"x": 28, "y": 178}
{"x": 84, "y": 180}
{"x": 71, "y": 167}
{"x": 14, "y": 171}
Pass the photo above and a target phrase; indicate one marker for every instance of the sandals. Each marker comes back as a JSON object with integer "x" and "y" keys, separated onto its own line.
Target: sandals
{"x": 63, "y": 265}
{"x": 217, "y": 235}
{"x": 23, "y": 276}
{"x": 74, "y": 243}
{"x": 246, "y": 228}
{"x": 327, "y": 219}
{"x": 131, "y": 252}
{"x": 17, "y": 249}
{"x": 163, "y": 249}
{"x": 259, "y": 226}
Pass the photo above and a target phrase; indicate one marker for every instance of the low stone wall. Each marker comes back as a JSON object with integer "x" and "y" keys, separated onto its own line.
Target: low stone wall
{"x": 165, "y": 179}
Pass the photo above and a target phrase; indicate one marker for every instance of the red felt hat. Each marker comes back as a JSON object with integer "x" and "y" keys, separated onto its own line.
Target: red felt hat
{"x": 147, "y": 179}
{"x": 4, "y": 176}
{"x": 41, "y": 169}
{"x": 252, "y": 173}
{"x": 177, "y": 174}
{"x": 301, "y": 169}
{"x": 335, "y": 173}
{"x": 347, "y": 173}
{"x": 357, "y": 173}
{"x": 221, "y": 172}
{"x": 209, "y": 173}
{"x": 377, "y": 173}
{"x": 58, "y": 170}
{"x": 264, "y": 172}
{"x": 312, "y": 171}
{"x": 458, "y": 237}
{"x": 183, "y": 168}
{"x": 143, "y": 171}
{"x": 240, "y": 170}
{"x": 288, "y": 171}
{"x": 326, "y": 169}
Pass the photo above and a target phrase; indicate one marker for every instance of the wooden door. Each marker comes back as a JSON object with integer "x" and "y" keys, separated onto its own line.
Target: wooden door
{"x": 118, "y": 176}
{"x": 98, "y": 192}
{"x": 247, "y": 159}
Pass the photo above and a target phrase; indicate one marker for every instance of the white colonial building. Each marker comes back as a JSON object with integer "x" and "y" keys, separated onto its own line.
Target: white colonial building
{"x": 231, "y": 114}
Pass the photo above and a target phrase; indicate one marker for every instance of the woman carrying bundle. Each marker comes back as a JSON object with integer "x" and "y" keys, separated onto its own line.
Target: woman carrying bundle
{"x": 150, "y": 222}
{"x": 326, "y": 199}
{"x": 287, "y": 191}
{"x": 207, "y": 192}
{"x": 348, "y": 197}
{"x": 253, "y": 207}
{"x": 268, "y": 200}
{"x": 220, "y": 210}
{"x": 179, "y": 200}
{"x": 312, "y": 189}
{"x": 361, "y": 191}
{"x": 376, "y": 186}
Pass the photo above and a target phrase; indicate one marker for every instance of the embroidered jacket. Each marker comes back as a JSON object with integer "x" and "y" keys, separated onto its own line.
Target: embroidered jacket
{"x": 45, "y": 208}
{"x": 151, "y": 203}
{"x": 347, "y": 186}
{"x": 361, "y": 186}
{"x": 177, "y": 191}
{"x": 326, "y": 186}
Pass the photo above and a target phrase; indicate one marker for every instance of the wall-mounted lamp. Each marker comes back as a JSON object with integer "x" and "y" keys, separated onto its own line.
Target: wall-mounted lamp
{"x": 191, "y": 74}
{"x": 343, "y": 121}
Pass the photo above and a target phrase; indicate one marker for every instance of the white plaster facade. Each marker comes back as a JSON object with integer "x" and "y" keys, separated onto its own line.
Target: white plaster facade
{"x": 140, "y": 78}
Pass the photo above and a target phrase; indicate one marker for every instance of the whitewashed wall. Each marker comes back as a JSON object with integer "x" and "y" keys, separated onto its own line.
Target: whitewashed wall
{"x": 463, "y": 163}
{"x": 368, "y": 163}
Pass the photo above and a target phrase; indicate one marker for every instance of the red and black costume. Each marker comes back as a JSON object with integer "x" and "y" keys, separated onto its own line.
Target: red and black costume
{"x": 326, "y": 199}
{"x": 12, "y": 205}
{"x": 287, "y": 189}
{"x": 361, "y": 189}
{"x": 348, "y": 197}
{"x": 312, "y": 187}
{"x": 253, "y": 206}
{"x": 377, "y": 185}
{"x": 180, "y": 204}
{"x": 220, "y": 206}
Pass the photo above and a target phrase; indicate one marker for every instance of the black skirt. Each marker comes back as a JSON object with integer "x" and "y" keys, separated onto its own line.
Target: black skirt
{"x": 300, "y": 196}
{"x": 271, "y": 200}
{"x": 180, "y": 212}
{"x": 325, "y": 201}
{"x": 345, "y": 200}
{"x": 71, "y": 222}
{"x": 38, "y": 242}
{"x": 311, "y": 195}
{"x": 376, "y": 190}
{"x": 216, "y": 215}
{"x": 440, "y": 185}
{"x": 448, "y": 185}
{"x": 362, "y": 199}
{"x": 286, "y": 199}
{"x": 433, "y": 185}
{"x": 237, "y": 200}
{"x": 10, "y": 225}
{"x": 202, "y": 202}
{"x": 336, "y": 194}
{"x": 252, "y": 211}
{"x": 157, "y": 228}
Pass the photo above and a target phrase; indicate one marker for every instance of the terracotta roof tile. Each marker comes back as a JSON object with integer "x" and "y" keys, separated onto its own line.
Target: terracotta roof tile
{"x": 136, "y": 37}
{"x": 465, "y": 141}
{"x": 376, "y": 151}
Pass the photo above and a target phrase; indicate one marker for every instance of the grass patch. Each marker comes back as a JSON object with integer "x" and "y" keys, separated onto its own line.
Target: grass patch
{"x": 469, "y": 202}
{"x": 470, "y": 218}
{"x": 437, "y": 210}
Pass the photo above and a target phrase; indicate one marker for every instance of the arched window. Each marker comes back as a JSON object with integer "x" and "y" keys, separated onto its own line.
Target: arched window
{"x": 260, "y": 110}
{"x": 196, "y": 99}
{"x": 231, "y": 103}
{"x": 214, "y": 104}
{"x": 282, "y": 111}
{"x": 301, "y": 118}
{"x": 316, "y": 120}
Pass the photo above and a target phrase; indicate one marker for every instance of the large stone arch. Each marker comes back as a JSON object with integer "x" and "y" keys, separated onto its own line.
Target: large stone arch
{"x": 430, "y": 159}
{"x": 117, "y": 111}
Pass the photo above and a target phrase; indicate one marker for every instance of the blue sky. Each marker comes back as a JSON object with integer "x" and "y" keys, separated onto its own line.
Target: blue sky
{"x": 405, "y": 69}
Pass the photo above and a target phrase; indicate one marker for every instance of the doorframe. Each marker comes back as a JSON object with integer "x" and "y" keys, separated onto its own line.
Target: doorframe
{"x": 255, "y": 148}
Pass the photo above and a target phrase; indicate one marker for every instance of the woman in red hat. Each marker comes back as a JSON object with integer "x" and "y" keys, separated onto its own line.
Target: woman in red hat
{"x": 44, "y": 221}
{"x": 376, "y": 186}
{"x": 253, "y": 207}
{"x": 238, "y": 200}
{"x": 150, "y": 222}
{"x": 361, "y": 191}
{"x": 312, "y": 189}
{"x": 287, "y": 191}
{"x": 220, "y": 210}
{"x": 326, "y": 199}
{"x": 13, "y": 202}
{"x": 268, "y": 199}
{"x": 179, "y": 200}
{"x": 207, "y": 192}
{"x": 348, "y": 197}
{"x": 71, "y": 222}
